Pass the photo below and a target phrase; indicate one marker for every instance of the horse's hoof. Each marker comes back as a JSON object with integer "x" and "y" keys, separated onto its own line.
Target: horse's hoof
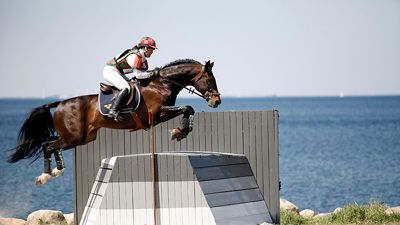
{"x": 56, "y": 172}
{"x": 177, "y": 134}
{"x": 42, "y": 179}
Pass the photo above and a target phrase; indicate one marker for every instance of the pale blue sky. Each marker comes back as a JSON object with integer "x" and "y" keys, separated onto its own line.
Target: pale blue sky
{"x": 260, "y": 48}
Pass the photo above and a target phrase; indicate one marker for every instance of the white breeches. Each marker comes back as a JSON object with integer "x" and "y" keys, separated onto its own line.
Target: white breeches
{"x": 112, "y": 76}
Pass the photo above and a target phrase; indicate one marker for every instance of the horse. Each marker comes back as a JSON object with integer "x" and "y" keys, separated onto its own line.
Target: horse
{"x": 77, "y": 120}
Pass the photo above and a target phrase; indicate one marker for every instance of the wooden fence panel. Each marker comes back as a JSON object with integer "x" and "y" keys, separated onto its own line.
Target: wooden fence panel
{"x": 252, "y": 133}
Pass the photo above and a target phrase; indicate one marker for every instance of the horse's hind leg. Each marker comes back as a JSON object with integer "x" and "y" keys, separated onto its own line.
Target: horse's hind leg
{"x": 46, "y": 175}
{"x": 59, "y": 162}
{"x": 53, "y": 146}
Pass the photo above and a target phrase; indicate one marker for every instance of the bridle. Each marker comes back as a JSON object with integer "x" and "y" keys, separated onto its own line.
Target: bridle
{"x": 207, "y": 95}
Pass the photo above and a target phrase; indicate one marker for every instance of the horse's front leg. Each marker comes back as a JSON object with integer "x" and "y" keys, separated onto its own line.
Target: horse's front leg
{"x": 169, "y": 112}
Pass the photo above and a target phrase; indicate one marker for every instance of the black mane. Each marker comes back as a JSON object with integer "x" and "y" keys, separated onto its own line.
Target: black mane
{"x": 180, "y": 61}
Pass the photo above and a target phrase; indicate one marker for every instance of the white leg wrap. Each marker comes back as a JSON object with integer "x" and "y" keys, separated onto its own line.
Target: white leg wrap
{"x": 42, "y": 179}
{"x": 56, "y": 172}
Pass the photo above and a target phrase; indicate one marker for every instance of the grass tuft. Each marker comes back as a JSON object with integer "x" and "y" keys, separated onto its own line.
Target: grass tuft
{"x": 372, "y": 214}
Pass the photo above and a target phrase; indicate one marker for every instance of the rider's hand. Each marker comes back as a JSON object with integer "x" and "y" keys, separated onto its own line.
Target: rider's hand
{"x": 151, "y": 74}
{"x": 155, "y": 72}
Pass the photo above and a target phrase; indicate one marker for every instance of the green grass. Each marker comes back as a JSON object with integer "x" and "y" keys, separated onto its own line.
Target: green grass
{"x": 42, "y": 222}
{"x": 354, "y": 214}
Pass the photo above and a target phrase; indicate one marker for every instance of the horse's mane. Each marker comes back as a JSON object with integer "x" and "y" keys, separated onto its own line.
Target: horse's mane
{"x": 180, "y": 61}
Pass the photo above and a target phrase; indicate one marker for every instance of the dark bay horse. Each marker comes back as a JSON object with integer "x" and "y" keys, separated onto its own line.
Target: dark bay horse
{"x": 77, "y": 120}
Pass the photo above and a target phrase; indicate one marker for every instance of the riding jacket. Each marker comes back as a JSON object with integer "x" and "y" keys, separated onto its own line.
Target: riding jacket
{"x": 131, "y": 61}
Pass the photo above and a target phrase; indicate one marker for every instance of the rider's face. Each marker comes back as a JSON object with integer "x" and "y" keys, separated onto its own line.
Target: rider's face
{"x": 148, "y": 52}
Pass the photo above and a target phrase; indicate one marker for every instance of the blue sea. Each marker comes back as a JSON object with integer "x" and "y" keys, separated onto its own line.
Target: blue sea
{"x": 333, "y": 151}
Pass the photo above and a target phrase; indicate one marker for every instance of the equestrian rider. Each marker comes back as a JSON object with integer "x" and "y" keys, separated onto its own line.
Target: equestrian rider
{"x": 130, "y": 61}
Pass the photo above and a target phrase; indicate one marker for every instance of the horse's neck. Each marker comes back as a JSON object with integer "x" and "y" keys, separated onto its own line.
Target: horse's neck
{"x": 175, "y": 83}
{"x": 182, "y": 75}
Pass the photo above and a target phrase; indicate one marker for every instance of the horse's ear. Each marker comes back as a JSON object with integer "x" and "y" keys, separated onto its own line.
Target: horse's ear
{"x": 207, "y": 64}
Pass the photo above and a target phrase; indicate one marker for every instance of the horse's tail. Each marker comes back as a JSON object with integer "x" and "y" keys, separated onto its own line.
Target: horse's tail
{"x": 37, "y": 128}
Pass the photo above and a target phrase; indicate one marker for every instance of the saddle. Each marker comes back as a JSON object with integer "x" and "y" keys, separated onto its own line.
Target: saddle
{"x": 108, "y": 94}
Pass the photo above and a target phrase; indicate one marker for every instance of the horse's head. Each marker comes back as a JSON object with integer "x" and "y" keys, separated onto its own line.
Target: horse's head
{"x": 188, "y": 72}
{"x": 206, "y": 84}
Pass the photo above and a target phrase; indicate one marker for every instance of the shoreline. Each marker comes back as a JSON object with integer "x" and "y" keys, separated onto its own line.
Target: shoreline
{"x": 288, "y": 206}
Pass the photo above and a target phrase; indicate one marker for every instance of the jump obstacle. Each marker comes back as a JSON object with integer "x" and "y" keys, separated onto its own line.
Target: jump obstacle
{"x": 238, "y": 185}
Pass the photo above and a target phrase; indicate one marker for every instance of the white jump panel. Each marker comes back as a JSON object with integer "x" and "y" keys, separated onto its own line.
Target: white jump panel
{"x": 191, "y": 188}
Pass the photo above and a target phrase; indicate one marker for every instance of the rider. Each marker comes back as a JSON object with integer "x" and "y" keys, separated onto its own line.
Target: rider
{"x": 130, "y": 61}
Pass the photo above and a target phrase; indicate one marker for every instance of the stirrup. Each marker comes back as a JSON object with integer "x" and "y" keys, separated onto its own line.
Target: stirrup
{"x": 113, "y": 114}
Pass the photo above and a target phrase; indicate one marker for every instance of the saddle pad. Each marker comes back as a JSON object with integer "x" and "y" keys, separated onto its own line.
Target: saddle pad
{"x": 106, "y": 101}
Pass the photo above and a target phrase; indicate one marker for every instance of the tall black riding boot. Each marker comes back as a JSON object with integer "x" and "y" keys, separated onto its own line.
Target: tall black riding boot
{"x": 118, "y": 103}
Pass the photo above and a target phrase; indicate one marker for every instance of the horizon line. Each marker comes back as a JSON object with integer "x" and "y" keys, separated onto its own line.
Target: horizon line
{"x": 227, "y": 96}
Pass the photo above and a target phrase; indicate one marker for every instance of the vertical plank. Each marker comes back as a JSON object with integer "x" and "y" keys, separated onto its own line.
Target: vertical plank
{"x": 163, "y": 181}
{"x": 197, "y": 199}
{"x": 149, "y": 189}
{"x": 191, "y": 192}
{"x": 171, "y": 188}
{"x": 226, "y": 133}
{"x": 265, "y": 158}
{"x": 165, "y": 136}
{"x": 195, "y": 134}
{"x": 122, "y": 176}
{"x": 202, "y": 132}
{"x": 84, "y": 173}
{"x": 109, "y": 201}
{"x": 80, "y": 201}
{"x": 103, "y": 145}
{"x": 220, "y": 133}
{"x": 178, "y": 189}
{"x": 116, "y": 171}
{"x": 239, "y": 132}
{"x": 246, "y": 137}
{"x": 158, "y": 138}
{"x": 129, "y": 185}
{"x": 234, "y": 122}
{"x": 89, "y": 165}
{"x": 185, "y": 191}
{"x": 252, "y": 142}
{"x": 136, "y": 190}
{"x": 141, "y": 206}
{"x": 103, "y": 154}
{"x": 274, "y": 165}
{"x": 259, "y": 150}
{"x": 214, "y": 132}
{"x": 208, "y": 133}
{"x": 96, "y": 156}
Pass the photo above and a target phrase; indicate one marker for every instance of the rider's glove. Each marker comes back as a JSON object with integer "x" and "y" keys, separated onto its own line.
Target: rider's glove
{"x": 155, "y": 72}
{"x": 151, "y": 74}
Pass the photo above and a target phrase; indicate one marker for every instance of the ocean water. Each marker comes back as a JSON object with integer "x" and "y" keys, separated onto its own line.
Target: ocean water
{"x": 333, "y": 151}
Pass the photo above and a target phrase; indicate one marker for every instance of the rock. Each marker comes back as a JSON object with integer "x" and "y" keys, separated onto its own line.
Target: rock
{"x": 69, "y": 218}
{"x": 11, "y": 221}
{"x": 393, "y": 211}
{"x": 322, "y": 215}
{"x": 265, "y": 223}
{"x": 337, "y": 210}
{"x": 307, "y": 213}
{"x": 46, "y": 217}
{"x": 288, "y": 206}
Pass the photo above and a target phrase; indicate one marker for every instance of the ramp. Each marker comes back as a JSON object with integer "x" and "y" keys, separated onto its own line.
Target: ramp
{"x": 199, "y": 188}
